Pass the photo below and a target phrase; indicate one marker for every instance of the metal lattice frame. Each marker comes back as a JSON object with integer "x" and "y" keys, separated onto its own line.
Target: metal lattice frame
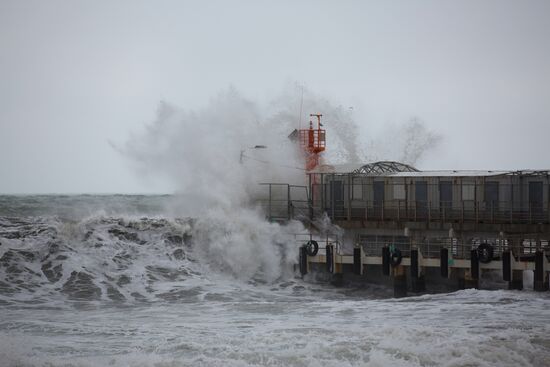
{"x": 379, "y": 168}
{"x": 531, "y": 173}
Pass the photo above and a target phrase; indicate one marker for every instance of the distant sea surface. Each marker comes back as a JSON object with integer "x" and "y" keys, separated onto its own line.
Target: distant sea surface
{"x": 118, "y": 280}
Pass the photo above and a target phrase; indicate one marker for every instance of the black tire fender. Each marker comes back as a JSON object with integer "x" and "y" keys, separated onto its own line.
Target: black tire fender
{"x": 312, "y": 247}
{"x": 485, "y": 253}
{"x": 395, "y": 257}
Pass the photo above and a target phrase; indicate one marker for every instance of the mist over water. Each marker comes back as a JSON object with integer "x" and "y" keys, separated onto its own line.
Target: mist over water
{"x": 200, "y": 278}
{"x": 209, "y": 155}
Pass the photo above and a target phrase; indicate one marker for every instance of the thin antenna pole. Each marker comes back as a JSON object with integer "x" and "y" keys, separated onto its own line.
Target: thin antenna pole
{"x": 301, "y": 106}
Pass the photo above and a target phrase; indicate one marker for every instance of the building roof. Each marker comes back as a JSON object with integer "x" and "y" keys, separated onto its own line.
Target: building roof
{"x": 396, "y": 169}
{"x": 376, "y": 168}
{"x": 451, "y": 173}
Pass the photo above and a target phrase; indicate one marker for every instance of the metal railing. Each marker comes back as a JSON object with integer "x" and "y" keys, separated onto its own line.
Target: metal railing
{"x": 431, "y": 247}
{"x": 463, "y": 211}
{"x": 285, "y": 202}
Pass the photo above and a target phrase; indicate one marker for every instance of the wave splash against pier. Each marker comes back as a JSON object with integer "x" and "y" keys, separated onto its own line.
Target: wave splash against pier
{"x": 140, "y": 289}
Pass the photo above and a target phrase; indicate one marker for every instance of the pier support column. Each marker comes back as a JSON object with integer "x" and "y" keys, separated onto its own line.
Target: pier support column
{"x": 464, "y": 279}
{"x": 540, "y": 276}
{"x": 399, "y": 281}
{"x": 469, "y": 281}
{"x": 457, "y": 274}
{"x": 337, "y": 279}
{"x": 418, "y": 285}
{"x": 513, "y": 277}
{"x": 540, "y": 286}
{"x": 516, "y": 283}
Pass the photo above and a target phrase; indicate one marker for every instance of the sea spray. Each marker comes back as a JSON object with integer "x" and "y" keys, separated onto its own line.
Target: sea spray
{"x": 209, "y": 155}
{"x": 239, "y": 241}
{"x": 159, "y": 304}
{"x": 343, "y": 132}
{"x": 215, "y": 158}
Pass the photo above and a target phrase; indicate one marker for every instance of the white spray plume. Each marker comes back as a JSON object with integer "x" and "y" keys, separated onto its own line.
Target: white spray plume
{"x": 216, "y": 156}
{"x": 407, "y": 142}
{"x": 241, "y": 243}
{"x": 343, "y": 138}
{"x": 210, "y": 155}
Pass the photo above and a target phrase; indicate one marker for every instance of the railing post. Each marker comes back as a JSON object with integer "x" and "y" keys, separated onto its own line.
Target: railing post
{"x": 332, "y": 197}
{"x": 429, "y": 211}
{"x": 476, "y": 209}
{"x": 269, "y": 204}
{"x": 428, "y": 250}
{"x": 323, "y": 194}
{"x": 350, "y": 188}
{"x": 530, "y": 213}
{"x": 462, "y": 211}
{"x": 288, "y": 202}
{"x": 415, "y": 209}
{"x": 492, "y": 211}
{"x": 310, "y": 196}
{"x": 398, "y": 209}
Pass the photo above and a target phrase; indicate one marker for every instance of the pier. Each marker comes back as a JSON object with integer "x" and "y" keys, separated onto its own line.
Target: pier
{"x": 406, "y": 227}
{"x": 408, "y": 267}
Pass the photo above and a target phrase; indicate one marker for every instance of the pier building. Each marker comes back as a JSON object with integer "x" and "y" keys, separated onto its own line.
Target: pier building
{"x": 409, "y": 224}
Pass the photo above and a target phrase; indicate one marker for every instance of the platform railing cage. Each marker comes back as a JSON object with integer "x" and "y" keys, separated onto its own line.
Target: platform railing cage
{"x": 344, "y": 199}
{"x": 459, "y": 249}
{"x": 282, "y": 202}
{"x": 467, "y": 211}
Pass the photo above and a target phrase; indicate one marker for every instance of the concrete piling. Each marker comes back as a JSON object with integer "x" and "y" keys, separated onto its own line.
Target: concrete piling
{"x": 516, "y": 283}
{"x": 540, "y": 276}
{"x": 464, "y": 278}
{"x": 391, "y": 268}
{"x": 399, "y": 281}
{"x": 470, "y": 281}
{"x": 418, "y": 285}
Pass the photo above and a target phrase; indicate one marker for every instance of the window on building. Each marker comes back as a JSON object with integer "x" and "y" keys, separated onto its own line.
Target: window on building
{"x": 535, "y": 195}
{"x": 399, "y": 192}
{"x": 491, "y": 192}
{"x": 446, "y": 194}
{"x": 468, "y": 191}
{"x": 357, "y": 193}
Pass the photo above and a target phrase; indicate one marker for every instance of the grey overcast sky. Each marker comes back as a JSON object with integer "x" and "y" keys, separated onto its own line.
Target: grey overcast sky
{"x": 77, "y": 74}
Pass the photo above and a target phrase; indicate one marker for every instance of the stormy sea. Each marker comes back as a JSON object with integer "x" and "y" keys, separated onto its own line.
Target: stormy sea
{"x": 121, "y": 280}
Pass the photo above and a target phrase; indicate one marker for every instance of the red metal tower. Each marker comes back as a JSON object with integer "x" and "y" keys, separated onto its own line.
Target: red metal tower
{"x": 312, "y": 142}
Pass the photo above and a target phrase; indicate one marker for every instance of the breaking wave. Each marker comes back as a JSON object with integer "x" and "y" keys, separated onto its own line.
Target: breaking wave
{"x": 220, "y": 290}
{"x": 125, "y": 259}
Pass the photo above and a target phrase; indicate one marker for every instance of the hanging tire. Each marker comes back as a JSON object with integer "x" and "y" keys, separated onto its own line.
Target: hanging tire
{"x": 395, "y": 257}
{"x": 485, "y": 253}
{"x": 312, "y": 247}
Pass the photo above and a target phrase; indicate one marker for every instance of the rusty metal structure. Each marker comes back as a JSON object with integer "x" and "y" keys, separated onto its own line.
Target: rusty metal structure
{"x": 312, "y": 142}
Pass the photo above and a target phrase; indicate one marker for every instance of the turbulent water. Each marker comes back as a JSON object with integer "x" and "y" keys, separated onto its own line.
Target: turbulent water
{"x": 115, "y": 281}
